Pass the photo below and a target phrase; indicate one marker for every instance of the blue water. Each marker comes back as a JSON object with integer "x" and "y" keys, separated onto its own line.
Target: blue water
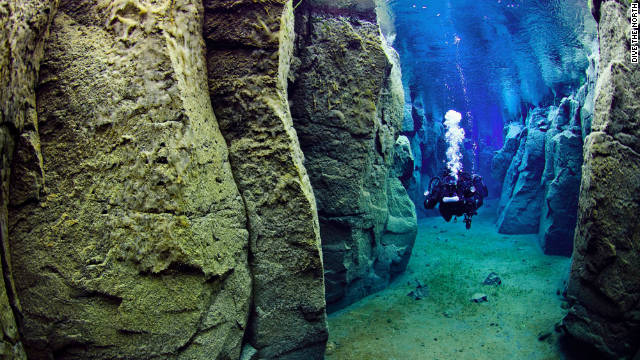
{"x": 490, "y": 59}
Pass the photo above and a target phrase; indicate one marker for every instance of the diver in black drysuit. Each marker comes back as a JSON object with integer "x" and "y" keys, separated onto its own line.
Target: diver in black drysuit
{"x": 456, "y": 198}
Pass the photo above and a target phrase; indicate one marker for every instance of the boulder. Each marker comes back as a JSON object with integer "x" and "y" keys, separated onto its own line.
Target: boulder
{"x": 604, "y": 284}
{"x": 492, "y": 279}
{"x": 420, "y": 292}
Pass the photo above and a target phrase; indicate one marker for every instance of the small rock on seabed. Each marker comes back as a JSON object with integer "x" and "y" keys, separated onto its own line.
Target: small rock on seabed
{"x": 479, "y": 297}
{"x": 492, "y": 279}
{"x": 544, "y": 335}
{"x": 420, "y": 292}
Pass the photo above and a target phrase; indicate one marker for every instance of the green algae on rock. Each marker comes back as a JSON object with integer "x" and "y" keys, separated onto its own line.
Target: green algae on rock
{"x": 248, "y": 66}
{"x": 605, "y": 274}
{"x": 137, "y": 247}
{"x": 23, "y": 28}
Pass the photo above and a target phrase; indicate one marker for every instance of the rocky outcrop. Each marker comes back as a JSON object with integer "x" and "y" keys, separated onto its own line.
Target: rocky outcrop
{"x": 502, "y": 158}
{"x": 402, "y": 167}
{"x": 347, "y": 105}
{"x": 569, "y": 124}
{"x": 249, "y": 49}
{"x": 401, "y": 229}
{"x": 520, "y": 202}
{"x": 604, "y": 283}
{"x": 541, "y": 184}
{"x": 561, "y": 178}
{"x": 134, "y": 244}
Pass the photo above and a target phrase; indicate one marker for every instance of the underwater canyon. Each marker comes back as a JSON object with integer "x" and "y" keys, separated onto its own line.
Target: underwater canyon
{"x": 209, "y": 179}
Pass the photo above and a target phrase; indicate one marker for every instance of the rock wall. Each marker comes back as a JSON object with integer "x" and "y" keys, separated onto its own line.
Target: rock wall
{"x": 502, "y": 158}
{"x": 604, "y": 282}
{"x": 347, "y": 106}
{"x": 134, "y": 229}
{"x": 23, "y": 28}
{"x": 134, "y": 243}
{"x": 540, "y": 164}
{"x": 561, "y": 178}
{"x": 249, "y": 49}
{"x": 521, "y": 200}
{"x": 155, "y": 199}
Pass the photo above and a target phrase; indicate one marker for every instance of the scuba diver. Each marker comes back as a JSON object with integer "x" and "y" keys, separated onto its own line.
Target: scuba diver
{"x": 456, "y": 197}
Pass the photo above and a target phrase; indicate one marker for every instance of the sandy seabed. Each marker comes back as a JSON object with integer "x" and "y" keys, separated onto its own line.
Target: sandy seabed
{"x": 517, "y": 322}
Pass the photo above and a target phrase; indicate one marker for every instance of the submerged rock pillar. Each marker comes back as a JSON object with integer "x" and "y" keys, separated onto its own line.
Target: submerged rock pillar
{"x": 347, "y": 103}
{"x": 561, "y": 178}
{"x": 604, "y": 283}
{"x": 249, "y": 48}
{"x": 521, "y": 198}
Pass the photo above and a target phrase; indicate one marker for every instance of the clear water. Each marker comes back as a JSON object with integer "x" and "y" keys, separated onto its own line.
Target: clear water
{"x": 490, "y": 58}
{"x": 452, "y": 264}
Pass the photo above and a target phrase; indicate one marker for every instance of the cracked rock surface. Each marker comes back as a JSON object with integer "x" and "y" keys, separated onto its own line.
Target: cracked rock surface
{"x": 605, "y": 274}
{"x": 132, "y": 243}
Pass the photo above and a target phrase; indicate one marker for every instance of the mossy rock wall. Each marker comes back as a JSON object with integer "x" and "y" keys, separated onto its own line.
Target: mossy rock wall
{"x": 155, "y": 200}
{"x": 131, "y": 223}
{"x": 249, "y": 49}
{"x": 23, "y": 28}
{"x": 604, "y": 283}
{"x": 133, "y": 242}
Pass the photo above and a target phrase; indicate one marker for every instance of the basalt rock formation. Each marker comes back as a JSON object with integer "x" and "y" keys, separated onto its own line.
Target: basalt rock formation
{"x": 134, "y": 242}
{"x": 541, "y": 183}
{"x": 248, "y": 71}
{"x": 502, "y": 158}
{"x": 156, "y": 201}
{"x": 561, "y": 178}
{"x": 520, "y": 202}
{"x": 604, "y": 284}
{"x": 23, "y": 28}
{"x": 347, "y": 106}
